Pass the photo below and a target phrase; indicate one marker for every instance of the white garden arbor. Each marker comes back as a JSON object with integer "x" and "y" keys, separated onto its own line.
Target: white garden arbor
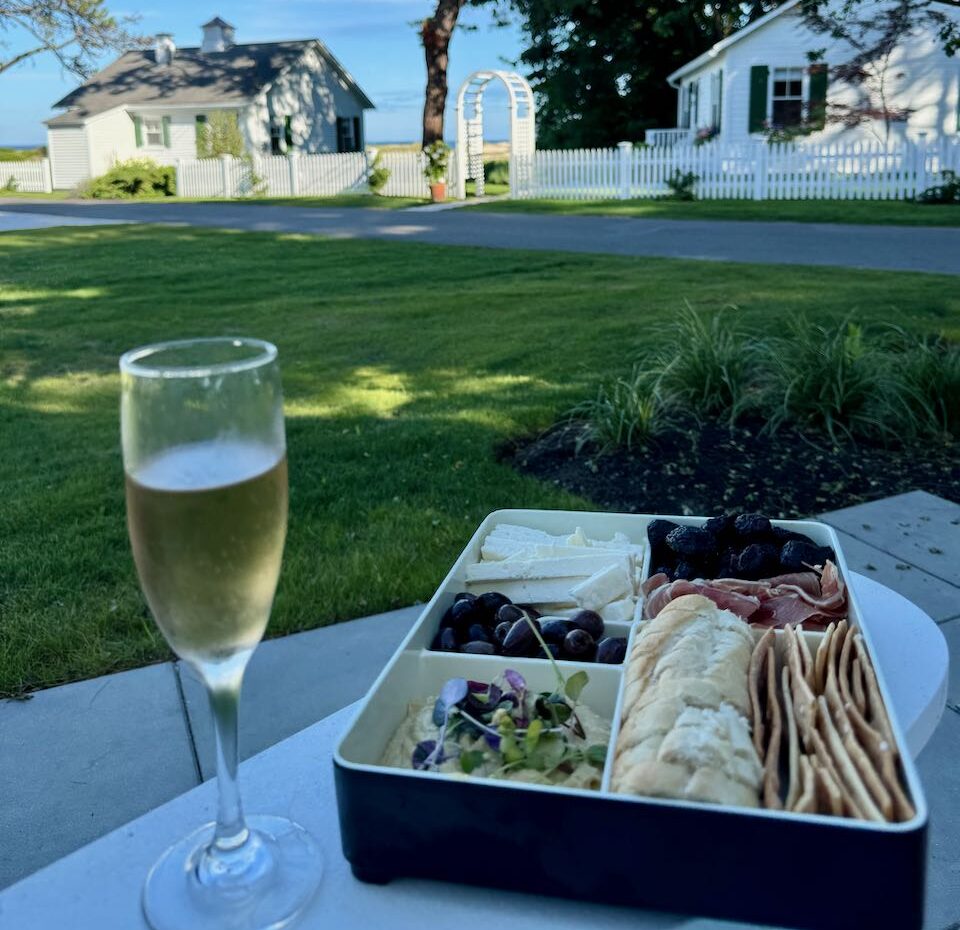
{"x": 523, "y": 133}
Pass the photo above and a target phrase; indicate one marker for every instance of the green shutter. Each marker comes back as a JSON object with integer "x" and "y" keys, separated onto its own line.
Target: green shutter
{"x": 138, "y": 130}
{"x": 287, "y": 133}
{"x": 719, "y": 100}
{"x": 817, "y": 103}
{"x": 166, "y": 131}
{"x": 759, "y": 79}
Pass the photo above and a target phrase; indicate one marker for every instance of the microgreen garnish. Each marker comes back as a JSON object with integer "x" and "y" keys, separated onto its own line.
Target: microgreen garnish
{"x": 502, "y": 726}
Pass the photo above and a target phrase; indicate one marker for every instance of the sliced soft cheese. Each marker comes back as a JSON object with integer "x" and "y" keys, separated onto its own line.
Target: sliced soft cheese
{"x": 530, "y": 591}
{"x": 609, "y": 584}
{"x": 581, "y": 566}
{"x": 618, "y": 610}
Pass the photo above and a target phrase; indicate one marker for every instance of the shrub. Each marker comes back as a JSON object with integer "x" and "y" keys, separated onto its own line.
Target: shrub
{"x": 497, "y": 172}
{"x": 437, "y": 153}
{"x": 377, "y": 174}
{"x": 932, "y": 369}
{"x": 947, "y": 192}
{"x": 220, "y": 135}
{"x": 842, "y": 383}
{"x": 625, "y": 413}
{"x": 710, "y": 365}
{"x": 11, "y": 187}
{"x": 681, "y": 185}
{"x": 127, "y": 180}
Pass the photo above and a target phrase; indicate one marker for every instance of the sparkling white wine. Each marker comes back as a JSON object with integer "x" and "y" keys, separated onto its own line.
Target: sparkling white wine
{"x": 207, "y": 521}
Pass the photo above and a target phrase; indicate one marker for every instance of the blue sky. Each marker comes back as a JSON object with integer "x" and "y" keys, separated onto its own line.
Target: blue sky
{"x": 374, "y": 39}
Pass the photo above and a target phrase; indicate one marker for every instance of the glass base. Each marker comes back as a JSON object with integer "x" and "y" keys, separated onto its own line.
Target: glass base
{"x": 269, "y": 881}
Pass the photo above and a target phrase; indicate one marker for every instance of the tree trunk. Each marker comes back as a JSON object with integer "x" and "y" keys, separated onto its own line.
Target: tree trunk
{"x": 435, "y": 34}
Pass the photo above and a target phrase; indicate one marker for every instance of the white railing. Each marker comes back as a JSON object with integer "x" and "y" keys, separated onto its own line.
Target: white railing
{"x": 667, "y": 137}
{"x": 301, "y": 175}
{"x": 755, "y": 170}
{"x": 26, "y": 176}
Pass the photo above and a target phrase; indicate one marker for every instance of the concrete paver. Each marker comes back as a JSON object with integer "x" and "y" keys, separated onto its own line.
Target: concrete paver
{"x": 938, "y": 765}
{"x": 83, "y": 759}
{"x": 934, "y": 596}
{"x": 887, "y": 248}
{"x": 294, "y": 681}
{"x": 918, "y": 528}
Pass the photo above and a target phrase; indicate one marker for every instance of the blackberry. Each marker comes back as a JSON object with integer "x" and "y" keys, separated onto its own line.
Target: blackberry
{"x": 752, "y": 527}
{"x": 798, "y": 556}
{"x": 690, "y": 541}
{"x": 657, "y": 532}
{"x": 758, "y": 560}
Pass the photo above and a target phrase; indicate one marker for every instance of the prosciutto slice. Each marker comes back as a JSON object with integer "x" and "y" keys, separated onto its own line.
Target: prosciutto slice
{"x": 812, "y": 598}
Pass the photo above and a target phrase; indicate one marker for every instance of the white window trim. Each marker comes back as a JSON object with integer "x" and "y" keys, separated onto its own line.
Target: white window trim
{"x": 145, "y": 121}
{"x": 804, "y": 90}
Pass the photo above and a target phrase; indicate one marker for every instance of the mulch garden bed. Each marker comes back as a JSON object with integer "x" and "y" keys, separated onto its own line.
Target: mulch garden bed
{"x": 705, "y": 468}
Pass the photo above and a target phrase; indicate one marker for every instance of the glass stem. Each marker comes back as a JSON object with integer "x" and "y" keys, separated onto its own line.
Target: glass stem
{"x": 231, "y": 830}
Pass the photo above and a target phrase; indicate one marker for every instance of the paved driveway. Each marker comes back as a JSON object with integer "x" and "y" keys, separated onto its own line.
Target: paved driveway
{"x": 22, "y": 220}
{"x": 897, "y": 248}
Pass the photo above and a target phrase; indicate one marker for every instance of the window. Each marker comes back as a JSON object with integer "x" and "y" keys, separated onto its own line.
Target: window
{"x": 152, "y": 131}
{"x": 689, "y": 101}
{"x": 716, "y": 99}
{"x": 276, "y": 134}
{"x": 287, "y": 134}
{"x": 786, "y": 98}
{"x": 348, "y": 134}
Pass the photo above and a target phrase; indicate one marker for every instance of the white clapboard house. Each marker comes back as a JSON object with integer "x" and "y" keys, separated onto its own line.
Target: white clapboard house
{"x": 760, "y": 78}
{"x": 287, "y": 96}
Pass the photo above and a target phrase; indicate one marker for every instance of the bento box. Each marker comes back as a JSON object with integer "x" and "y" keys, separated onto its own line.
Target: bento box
{"x": 586, "y": 838}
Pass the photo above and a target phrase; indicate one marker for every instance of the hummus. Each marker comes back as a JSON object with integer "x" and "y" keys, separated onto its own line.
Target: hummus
{"x": 418, "y": 725}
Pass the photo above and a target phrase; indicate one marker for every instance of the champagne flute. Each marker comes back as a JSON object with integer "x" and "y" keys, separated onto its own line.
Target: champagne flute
{"x": 204, "y": 456}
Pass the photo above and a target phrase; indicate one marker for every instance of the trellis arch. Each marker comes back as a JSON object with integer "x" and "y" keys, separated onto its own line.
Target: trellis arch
{"x": 470, "y": 129}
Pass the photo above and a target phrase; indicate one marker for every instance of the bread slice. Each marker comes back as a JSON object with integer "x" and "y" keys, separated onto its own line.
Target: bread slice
{"x": 685, "y": 731}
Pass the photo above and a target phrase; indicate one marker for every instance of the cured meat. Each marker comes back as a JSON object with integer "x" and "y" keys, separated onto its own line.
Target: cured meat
{"x": 811, "y": 598}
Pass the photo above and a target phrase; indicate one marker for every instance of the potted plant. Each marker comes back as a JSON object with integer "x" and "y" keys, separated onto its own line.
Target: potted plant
{"x": 435, "y": 171}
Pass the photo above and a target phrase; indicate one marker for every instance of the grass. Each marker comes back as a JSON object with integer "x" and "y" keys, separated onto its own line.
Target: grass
{"x": 28, "y": 195}
{"x": 405, "y": 366}
{"x": 866, "y": 212}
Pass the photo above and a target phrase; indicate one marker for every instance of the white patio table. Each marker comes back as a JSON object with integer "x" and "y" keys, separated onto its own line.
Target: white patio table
{"x": 98, "y": 887}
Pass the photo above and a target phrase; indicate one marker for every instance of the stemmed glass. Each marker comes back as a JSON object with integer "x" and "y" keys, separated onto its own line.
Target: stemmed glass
{"x": 205, "y": 460}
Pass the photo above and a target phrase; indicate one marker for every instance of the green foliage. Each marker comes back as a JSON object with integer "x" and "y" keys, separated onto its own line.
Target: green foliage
{"x": 11, "y": 187}
{"x": 377, "y": 174}
{"x": 8, "y": 154}
{"x": 220, "y": 135}
{"x": 932, "y": 368}
{"x": 946, "y": 192}
{"x": 626, "y": 413}
{"x": 129, "y": 180}
{"x": 682, "y": 185}
{"x": 599, "y": 69}
{"x": 497, "y": 171}
{"x": 76, "y": 32}
{"x": 709, "y": 366}
{"x": 438, "y": 154}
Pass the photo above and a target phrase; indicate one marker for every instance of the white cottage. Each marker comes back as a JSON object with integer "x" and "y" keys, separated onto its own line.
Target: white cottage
{"x": 760, "y": 77}
{"x": 153, "y": 103}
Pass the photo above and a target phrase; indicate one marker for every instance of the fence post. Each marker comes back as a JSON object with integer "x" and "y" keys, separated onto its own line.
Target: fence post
{"x": 225, "y": 176}
{"x": 623, "y": 179}
{"x": 294, "y": 167}
{"x": 923, "y": 177}
{"x": 760, "y": 172}
{"x": 47, "y": 176}
{"x": 178, "y": 177}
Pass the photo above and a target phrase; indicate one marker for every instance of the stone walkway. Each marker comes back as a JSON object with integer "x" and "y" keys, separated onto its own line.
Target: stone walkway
{"x": 80, "y": 760}
{"x": 892, "y": 248}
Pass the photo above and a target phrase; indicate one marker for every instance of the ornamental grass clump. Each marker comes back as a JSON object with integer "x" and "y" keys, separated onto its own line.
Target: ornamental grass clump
{"x": 625, "y": 414}
{"x": 709, "y": 368}
{"x": 932, "y": 369}
{"x": 838, "y": 381}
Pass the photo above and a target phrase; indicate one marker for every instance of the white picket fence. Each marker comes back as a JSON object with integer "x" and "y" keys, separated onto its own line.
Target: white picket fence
{"x": 758, "y": 171}
{"x": 27, "y": 176}
{"x": 300, "y": 175}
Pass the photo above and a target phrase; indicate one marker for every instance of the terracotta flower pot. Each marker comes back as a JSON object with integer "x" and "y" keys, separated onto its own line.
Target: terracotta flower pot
{"x": 438, "y": 192}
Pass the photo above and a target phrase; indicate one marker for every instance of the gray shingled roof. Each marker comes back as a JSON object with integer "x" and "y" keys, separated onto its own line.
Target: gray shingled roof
{"x": 193, "y": 77}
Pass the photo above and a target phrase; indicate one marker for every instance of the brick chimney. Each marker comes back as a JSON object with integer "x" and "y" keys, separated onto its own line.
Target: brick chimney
{"x": 164, "y": 48}
{"x": 217, "y": 35}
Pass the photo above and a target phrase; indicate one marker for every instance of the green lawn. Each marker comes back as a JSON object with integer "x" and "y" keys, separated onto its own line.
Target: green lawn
{"x": 33, "y": 195}
{"x": 869, "y": 212}
{"x": 339, "y": 200}
{"x": 405, "y": 365}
